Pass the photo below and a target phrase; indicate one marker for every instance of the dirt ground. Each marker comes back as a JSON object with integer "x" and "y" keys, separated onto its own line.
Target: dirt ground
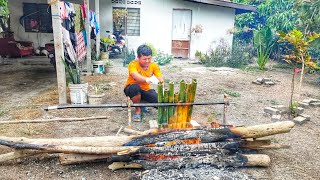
{"x": 28, "y": 85}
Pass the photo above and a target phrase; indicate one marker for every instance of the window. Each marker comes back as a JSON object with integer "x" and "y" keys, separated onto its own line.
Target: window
{"x": 36, "y": 18}
{"x": 133, "y": 22}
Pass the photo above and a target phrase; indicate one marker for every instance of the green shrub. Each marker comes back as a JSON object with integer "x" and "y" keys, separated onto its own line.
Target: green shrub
{"x": 154, "y": 50}
{"x": 218, "y": 56}
{"x": 162, "y": 58}
{"x": 241, "y": 54}
{"x": 129, "y": 57}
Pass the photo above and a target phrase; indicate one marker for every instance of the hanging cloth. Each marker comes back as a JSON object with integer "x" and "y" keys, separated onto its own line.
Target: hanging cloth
{"x": 81, "y": 47}
{"x": 63, "y": 10}
{"x": 78, "y": 23}
{"x": 68, "y": 45}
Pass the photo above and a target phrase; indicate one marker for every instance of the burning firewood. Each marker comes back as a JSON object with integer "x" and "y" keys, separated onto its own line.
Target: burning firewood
{"x": 220, "y": 146}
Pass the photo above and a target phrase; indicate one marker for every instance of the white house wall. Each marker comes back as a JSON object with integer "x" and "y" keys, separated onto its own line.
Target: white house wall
{"x": 38, "y": 39}
{"x": 155, "y": 23}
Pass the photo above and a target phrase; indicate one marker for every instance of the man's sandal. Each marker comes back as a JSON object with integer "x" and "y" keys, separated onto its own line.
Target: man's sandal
{"x": 136, "y": 118}
{"x": 145, "y": 109}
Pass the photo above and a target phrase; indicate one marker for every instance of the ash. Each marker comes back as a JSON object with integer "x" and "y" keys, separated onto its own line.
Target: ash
{"x": 204, "y": 173}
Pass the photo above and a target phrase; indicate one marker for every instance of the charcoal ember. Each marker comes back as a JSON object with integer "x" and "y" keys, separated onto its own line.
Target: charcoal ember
{"x": 195, "y": 174}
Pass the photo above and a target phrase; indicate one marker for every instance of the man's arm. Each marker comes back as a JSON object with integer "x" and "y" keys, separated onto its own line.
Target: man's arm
{"x": 139, "y": 78}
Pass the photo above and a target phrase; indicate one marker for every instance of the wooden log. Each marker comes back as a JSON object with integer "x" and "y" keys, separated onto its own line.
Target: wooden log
{"x": 193, "y": 149}
{"x": 208, "y": 160}
{"x": 68, "y": 159}
{"x": 255, "y": 160}
{"x": 124, "y": 165}
{"x": 53, "y": 120}
{"x": 204, "y": 135}
{"x": 17, "y": 154}
{"x": 71, "y": 149}
{"x": 132, "y": 131}
{"x": 101, "y": 141}
{"x": 263, "y": 130}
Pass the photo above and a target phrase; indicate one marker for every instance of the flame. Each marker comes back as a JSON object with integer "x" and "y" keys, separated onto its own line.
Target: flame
{"x": 171, "y": 143}
{"x": 156, "y": 157}
{"x": 215, "y": 125}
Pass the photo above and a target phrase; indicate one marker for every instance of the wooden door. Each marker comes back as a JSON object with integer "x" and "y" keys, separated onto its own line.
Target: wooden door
{"x": 181, "y": 30}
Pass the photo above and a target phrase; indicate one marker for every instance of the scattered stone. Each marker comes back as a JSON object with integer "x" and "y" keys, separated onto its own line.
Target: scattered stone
{"x": 266, "y": 81}
{"x": 276, "y": 117}
{"x": 300, "y": 110}
{"x": 153, "y": 124}
{"x": 315, "y": 104}
{"x": 304, "y": 105}
{"x": 282, "y": 108}
{"x": 300, "y": 120}
{"x": 257, "y": 82}
{"x": 195, "y": 124}
{"x": 314, "y": 100}
{"x": 269, "y": 83}
{"x": 260, "y": 80}
{"x": 271, "y": 110}
{"x": 311, "y": 101}
{"x": 305, "y": 116}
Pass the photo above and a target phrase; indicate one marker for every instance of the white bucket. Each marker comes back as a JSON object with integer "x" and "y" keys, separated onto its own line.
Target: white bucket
{"x": 79, "y": 93}
{"x": 98, "y": 67}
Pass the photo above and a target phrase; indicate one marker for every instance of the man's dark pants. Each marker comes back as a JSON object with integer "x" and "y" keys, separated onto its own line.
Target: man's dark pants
{"x": 150, "y": 96}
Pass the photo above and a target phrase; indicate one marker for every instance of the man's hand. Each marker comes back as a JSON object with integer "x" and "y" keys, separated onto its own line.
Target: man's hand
{"x": 153, "y": 80}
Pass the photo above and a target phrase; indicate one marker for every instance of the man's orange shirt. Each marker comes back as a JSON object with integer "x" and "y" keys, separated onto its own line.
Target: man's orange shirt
{"x": 135, "y": 67}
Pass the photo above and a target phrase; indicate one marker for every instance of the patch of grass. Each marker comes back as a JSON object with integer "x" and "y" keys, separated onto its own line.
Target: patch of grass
{"x": 27, "y": 113}
{"x": 251, "y": 68}
{"x": 232, "y": 93}
{"x": 282, "y": 66}
{"x": 2, "y": 112}
{"x": 212, "y": 117}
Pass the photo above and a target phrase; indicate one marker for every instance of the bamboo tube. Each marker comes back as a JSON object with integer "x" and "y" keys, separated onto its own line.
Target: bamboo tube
{"x": 160, "y": 100}
{"x": 175, "y": 111}
{"x": 186, "y": 107}
{"x": 192, "y": 97}
{"x": 182, "y": 98}
{"x": 165, "y": 109}
{"x": 171, "y": 100}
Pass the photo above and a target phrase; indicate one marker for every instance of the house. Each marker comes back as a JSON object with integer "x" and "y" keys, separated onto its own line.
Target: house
{"x": 167, "y": 24}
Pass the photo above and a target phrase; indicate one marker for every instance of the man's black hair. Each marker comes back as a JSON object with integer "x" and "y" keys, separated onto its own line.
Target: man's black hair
{"x": 144, "y": 50}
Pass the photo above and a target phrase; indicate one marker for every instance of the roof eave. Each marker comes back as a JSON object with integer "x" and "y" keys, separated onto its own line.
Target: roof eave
{"x": 241, "y": 8}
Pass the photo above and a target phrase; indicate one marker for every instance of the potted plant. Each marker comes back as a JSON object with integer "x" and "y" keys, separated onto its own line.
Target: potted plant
{"x": 98, "y": 64}
{"x": 96, "y": 94}
{"x": 78, "y": 90}
{"x": 107, "y": 66}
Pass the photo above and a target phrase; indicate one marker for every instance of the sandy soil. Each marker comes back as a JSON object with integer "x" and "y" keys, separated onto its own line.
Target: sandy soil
{"x": 26, "y": 89}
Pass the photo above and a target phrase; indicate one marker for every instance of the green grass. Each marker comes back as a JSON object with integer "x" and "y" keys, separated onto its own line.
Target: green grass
{"x": 2, "y": 112}
{"x": 282, "y": 66}
{"x": 231, "y": 93}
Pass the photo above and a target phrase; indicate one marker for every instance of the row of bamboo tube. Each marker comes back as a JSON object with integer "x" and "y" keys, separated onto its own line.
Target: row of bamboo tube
{"x": 176, "y": 116}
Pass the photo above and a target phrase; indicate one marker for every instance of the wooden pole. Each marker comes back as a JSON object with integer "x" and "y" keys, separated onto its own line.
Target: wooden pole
{"x": 88, "y": 28}
{"x": 186, "y": 108}
{"x": 53, "y": 120}
{"x": 97, "y": 11}
{"x": 175, "y": 111}
{"x": 59, "y": 50}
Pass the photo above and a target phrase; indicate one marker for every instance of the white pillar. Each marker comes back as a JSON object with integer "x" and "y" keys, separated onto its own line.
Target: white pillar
{"x": 98, "y": 21}
{"x": 59, "y": 51}
{"x": 87, "y": 24}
